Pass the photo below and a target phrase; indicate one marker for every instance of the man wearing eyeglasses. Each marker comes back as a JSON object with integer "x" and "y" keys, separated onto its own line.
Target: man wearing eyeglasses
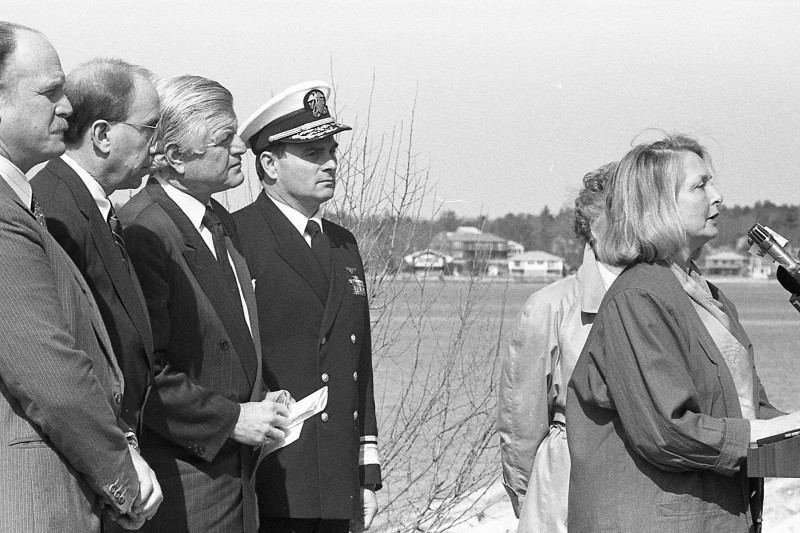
{"x": 115, "y": 113}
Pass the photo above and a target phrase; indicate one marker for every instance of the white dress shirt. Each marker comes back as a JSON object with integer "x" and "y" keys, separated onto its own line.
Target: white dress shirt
{"x": 298, "y": 219}
{"x": 97, "y": 192}
{"x": 195, "y": 210}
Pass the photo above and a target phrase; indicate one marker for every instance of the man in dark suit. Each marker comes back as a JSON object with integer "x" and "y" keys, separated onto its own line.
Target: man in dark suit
{"x": 206, "y": 410}
{"x": 64, "y": 458}
{"x": 314, "y": 316}
{"x": 115, "y": 112}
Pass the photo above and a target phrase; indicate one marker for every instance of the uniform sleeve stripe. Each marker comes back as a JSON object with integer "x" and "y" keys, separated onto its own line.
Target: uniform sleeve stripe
{"x": 369, "y": 439}
{"x": 368, "y": 454}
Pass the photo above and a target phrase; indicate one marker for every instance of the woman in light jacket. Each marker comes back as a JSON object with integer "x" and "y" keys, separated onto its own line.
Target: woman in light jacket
{"x": 664, "y": 399}
{"x": 549, "y": 337}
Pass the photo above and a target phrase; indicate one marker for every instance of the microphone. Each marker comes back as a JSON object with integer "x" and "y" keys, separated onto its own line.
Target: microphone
{"x": 767, "y": 243}
{"x": 788, "y": 270}
{"x": 791, "y": 284}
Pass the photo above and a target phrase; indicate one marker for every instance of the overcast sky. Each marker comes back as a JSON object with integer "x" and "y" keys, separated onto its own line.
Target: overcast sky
{"x": 515, "y": 100}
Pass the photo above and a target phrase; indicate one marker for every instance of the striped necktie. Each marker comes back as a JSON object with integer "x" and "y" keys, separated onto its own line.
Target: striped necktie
{"x": 116, "y": 232}
{"x": 214, "y": 225}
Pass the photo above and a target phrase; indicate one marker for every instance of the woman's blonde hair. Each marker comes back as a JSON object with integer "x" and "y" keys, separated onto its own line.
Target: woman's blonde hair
{"x": 640, "y": 221}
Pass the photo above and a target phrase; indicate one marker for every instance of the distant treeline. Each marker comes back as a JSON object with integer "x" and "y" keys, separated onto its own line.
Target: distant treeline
{"x": 554, "y": 233}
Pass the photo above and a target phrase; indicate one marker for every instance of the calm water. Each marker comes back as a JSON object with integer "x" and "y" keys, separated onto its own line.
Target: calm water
{"x": 437, "y": 308}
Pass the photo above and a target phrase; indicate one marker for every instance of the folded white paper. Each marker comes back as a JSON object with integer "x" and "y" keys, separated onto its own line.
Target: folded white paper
{"x": 301, "y": 411}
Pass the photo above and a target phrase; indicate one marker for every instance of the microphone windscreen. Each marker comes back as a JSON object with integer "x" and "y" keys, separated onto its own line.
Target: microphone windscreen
{"x": 787, "y": 281}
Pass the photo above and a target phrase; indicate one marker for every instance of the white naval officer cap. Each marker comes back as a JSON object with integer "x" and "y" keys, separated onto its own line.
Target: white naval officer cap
{"x": 299, "y": 114}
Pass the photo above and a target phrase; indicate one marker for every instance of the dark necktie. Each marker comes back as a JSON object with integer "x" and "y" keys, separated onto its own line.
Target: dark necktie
{"x": 321, "y": 246}
{"x": 214, "y": 225}
{"x": 116, "y": 232}
{"x": 36, "y": 209}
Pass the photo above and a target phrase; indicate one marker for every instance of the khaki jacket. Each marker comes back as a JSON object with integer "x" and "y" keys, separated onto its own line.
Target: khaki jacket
{"x": 547, "y": 341}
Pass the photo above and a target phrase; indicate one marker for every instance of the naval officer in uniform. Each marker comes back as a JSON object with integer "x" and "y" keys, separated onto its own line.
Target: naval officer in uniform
{"x": 312, "y": 304}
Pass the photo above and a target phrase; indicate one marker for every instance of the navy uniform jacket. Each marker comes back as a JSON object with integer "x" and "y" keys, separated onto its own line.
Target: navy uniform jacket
{"x": 206, "y": 364}
{"x": 74, "y": 220}
{"x": 310, "y": 339}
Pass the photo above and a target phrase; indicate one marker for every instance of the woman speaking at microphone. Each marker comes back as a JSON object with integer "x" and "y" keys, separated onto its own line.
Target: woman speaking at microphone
{"x": 664, "y": 399}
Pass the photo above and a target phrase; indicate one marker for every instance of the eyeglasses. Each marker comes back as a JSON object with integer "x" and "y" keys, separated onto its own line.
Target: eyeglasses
{"x": 149, "y": 133}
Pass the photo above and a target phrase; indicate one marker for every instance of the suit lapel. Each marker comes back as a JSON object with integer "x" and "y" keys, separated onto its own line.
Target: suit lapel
{"x": 736, "y": 326}
{"x": 339, "y": 279}
{"x": 206, "y": 271}
{"x": 124, "y": 280}
{"x": 729, "y": 394}
{"x": 6, "y": 189}
{"x": 292, "y": 248}
{"x": 245, "y": 280}
{"x": 50, "y": 244}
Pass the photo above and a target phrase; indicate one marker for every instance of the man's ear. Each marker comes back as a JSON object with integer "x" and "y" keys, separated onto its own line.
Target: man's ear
{"x": 268, "y": 161}
{"x": 175, "y": 158}
{"x": 99, "y": 136}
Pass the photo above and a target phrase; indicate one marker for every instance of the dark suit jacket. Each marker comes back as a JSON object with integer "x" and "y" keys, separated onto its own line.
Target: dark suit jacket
{"x": 74, "y": 220}
{"x": 311, "y": 339}
{"x": 62, "y": 452}
{"x": 655, "y": 430}
{"x": 206, "y": 360}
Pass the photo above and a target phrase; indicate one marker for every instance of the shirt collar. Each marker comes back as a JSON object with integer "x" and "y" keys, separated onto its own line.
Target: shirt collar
{"x": 16, "y": 180}
{"x": 594, "y": 279}
{"x": 298, "y": 219}
{"x": 190, "y": 205}
{"x": 608, "y": 275}
{"x": 97, "y": 192}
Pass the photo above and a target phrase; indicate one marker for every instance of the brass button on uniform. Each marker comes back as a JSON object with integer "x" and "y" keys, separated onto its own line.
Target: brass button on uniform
{"x": 353, "y": 338}
{"x": 355, "y": 415}
{"x": 324, "y": 378}
{"x": 324, "y": 340}
{"x": 117, "y": 398}
{"x": 324, "y": 417}
{"x": 232, "y": 397}
{"x": 223, "y": 344}
{"x": 355, "y": 376}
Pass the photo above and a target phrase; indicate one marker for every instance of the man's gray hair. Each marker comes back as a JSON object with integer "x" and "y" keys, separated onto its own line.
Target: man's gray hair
{"x": 191, "y": 108}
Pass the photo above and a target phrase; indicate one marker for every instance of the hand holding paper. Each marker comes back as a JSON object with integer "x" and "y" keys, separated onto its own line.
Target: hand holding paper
{"x": 299, "y": 412}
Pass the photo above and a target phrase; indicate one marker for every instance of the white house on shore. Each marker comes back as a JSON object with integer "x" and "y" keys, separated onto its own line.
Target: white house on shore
{"x": 474, "y": 251}
{"x": 429, "y": 260}
{"x": 536, "y": 264}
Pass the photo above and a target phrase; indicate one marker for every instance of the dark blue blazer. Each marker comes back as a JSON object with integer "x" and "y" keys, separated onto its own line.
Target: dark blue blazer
{"x": 309, "y": 339}
{"x": 206, "y": 364}
{"x": 74, "y": 220}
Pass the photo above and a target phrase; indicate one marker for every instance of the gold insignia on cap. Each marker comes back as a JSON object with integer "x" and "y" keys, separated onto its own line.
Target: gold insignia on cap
{"x": 315, "y": 102}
